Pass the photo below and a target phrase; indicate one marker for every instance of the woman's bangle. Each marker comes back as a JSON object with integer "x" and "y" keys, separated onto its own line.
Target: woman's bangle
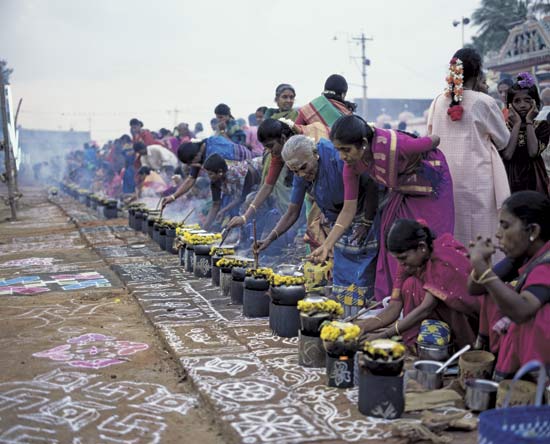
{"x": 339, "y": 225}
{"x": 276, "y": 234}
{"x": 173, "y": 197}
{"x": 253, "y": 207}
{"x": 396, "y": 328}
{"x": 489, "y": 279}
{"x": 483, "y": 275}
{"x": 377, "y": 318}
{"x": 243, "y": 217}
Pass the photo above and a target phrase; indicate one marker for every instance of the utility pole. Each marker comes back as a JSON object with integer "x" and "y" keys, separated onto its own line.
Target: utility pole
{"x": 176, "y": 112}
{"x": 364, "y": 63}
{"x": 8, "y": 153}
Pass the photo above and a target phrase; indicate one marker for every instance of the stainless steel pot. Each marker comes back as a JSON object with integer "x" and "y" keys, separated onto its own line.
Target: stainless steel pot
{"x": 481, "y": 394}
{"x": 427, "y": 376}
{"x": 433, "y": 352}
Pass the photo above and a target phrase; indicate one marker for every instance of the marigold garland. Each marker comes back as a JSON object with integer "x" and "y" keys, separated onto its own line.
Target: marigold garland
{"x": 384, "y": 349}
{"x": 337, "y": 330}
{"x": 201, "y": 238}
{"x": 331, "y": 307}
{"x": 230, "y": 262}
{"x": 183, "y": 228}
{"x": 260, "y": 273}
{"x": 221, "y": 251}
{"x": 277, "y": 280}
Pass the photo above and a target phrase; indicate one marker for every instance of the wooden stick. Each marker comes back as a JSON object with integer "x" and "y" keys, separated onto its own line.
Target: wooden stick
{"x": 254, "y": 249}
{"x": 363, "y": 311}
{"x": 225, "y": 233}
{"x": 187, "y": 217}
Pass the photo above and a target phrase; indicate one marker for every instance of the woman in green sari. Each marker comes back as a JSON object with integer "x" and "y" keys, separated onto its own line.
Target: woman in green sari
{"x": 284, "y": 98}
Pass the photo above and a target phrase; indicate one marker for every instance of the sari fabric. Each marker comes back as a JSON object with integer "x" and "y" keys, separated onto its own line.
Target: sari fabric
{"x": 419, "y": 187}
{"x": 354, "y": 261}
{"x": 529, "y": 340}
{"x": 444, "y": 276}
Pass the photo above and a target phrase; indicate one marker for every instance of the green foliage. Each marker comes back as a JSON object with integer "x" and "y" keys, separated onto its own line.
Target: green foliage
{"x": 495, "y": 19}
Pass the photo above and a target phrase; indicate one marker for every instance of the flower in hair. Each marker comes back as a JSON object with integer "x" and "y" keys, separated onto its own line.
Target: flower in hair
{"x": 455, "y": 112}
{"x": 526, "y": 80}
{"x": 455, "y": 80}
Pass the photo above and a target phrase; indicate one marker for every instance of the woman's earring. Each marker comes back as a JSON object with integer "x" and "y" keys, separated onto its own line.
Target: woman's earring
{"x": 531, "y": 238}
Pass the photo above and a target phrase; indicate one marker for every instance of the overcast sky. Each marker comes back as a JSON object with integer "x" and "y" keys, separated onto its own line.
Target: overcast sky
{"x": 100, "y": 62}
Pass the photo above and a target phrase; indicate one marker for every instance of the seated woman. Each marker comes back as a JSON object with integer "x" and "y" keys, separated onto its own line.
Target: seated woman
{"x": 431, "y": 283}
{"x": 515, "y": 317}
{"x": 318, "y": 172}
{"x": 412, "y": 169}
{"x": 230, "y": 185}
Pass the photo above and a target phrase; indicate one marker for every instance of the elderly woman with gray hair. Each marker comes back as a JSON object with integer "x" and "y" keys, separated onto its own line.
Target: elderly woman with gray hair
{"x": 318, "y": 171}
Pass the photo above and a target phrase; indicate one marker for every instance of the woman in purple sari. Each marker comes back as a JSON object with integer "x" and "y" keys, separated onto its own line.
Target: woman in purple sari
{"x": 413, "y": 170}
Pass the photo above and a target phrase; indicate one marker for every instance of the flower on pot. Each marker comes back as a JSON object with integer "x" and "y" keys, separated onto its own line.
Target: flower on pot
{"x": 221, "y": 251}
{"x": 201, "y": 238}
{"x": 260, "y": 273}
{"x": 311, "y": 308}
{"x": 230, "y": 262}
{"x": 385, "y": 350}
{"x": 340, "y": 338}
{"x": 277, "y": 280}
{"x": 182, "y": 229}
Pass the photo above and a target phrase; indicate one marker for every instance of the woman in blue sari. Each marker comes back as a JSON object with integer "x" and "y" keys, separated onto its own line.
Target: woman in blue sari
{"x": 318, "y": 171}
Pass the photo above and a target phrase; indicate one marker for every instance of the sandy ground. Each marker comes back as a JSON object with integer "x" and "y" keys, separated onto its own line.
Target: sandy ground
{"x": 110, "y": 340}
{"x": 82, "y": 365}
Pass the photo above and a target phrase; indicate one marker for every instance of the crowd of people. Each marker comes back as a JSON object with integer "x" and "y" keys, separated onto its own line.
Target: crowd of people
{"x": 401, "y": 215}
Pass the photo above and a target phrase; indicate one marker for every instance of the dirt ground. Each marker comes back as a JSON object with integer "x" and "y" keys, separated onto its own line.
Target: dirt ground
{"x": 82, "y": 365}
{"x": 109, "y": 340}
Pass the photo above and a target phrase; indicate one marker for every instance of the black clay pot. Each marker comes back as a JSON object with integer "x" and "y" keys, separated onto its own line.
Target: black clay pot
{"x": 189, "y": 258}
{"x": 225, "y": 281}
{"x": 284, "y": 320}
{"x": 162, "y": 239}
{"x": 110, "y": 211}
{"x": 202, "y": 250}
{"x": 156, "y": 233}
{"x": 216, "y": 270}
{"x": 202, "y": 268}
{"x": 170, "y": 238}
{"x": 310, "y": 351}
{"x": 181, "y": 255}
{"x": 131, "y": 217}
{"x": 100, "y": 210}
{"x": 255, "y": 302}
{"x": 144, "y": 226}
{"x": 151, "y": 225}
{"x": 88, "y": 201}
{"x": 393, "y": 368}
{"x": 340, "y": 370}
{"x": 287, "y": 294}
{"x": 95, "y": 203}
{"x": 139, "y": 220}
{"x": 311, "y": 325}
{"x": 254, "y": 283}
{"x": 381, "y": 396}
{"x": 238, "y": 275}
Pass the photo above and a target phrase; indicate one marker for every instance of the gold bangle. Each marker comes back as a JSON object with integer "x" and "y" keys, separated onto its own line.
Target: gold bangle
{"x": 173, "y": 197}
{"x": 483, "y": 275}
{"x": 489, "y": 279}
{"x": 276, "y": 234}
{"x": 243, "y": 217}
{"x": 377, "y": 318}
{"x": 254, "y": 207}
{"x": 339, "y": 225}
{"x": 396, "y": 328}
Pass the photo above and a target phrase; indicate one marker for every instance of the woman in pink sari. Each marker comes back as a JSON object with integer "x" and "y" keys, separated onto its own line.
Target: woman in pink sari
{"x": 430, "y": 284}
{"x": 515, "y": 317}
{"x": 412, "y": 169}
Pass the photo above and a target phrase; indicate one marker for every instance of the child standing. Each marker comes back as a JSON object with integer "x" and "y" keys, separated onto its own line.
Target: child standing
{"x": 528, "y": 139}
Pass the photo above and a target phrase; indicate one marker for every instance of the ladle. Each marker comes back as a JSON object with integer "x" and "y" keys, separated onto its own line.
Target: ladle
{"x": 453, "y": 358}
